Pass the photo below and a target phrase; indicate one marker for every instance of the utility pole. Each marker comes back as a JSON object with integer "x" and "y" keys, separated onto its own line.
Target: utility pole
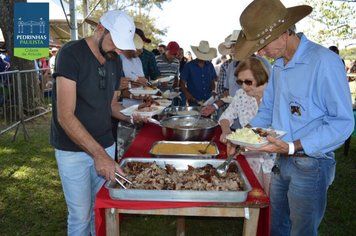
{"x": 73, "y": 21}
{"x": 85, "y": 13}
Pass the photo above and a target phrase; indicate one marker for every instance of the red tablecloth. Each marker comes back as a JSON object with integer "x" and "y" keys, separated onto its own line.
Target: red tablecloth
{"x": 140, "y": 147}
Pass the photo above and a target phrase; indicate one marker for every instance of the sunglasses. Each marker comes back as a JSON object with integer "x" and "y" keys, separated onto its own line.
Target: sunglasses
{"x": 247, "y": 82}
{"x": 102, "y": 74}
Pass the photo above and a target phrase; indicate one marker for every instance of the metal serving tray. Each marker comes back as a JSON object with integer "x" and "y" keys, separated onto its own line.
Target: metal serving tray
{"x": 181, "y": 144}
{"x": 118, "y": 193}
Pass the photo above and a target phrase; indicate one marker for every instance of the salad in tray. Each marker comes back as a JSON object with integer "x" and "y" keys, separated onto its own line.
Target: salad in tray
{"x": 253, "y": 137}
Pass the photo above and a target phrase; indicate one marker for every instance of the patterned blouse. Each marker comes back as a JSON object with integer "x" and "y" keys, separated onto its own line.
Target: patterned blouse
{"x": 245, "y": 107}
{"x": 242, "y": 106}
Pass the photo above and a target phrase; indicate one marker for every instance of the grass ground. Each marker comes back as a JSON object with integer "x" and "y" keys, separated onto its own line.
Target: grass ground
{"x": 32, "y": 203}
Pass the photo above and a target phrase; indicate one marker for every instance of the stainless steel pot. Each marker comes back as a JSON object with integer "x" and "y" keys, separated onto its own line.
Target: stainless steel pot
{"x": 188, "y": 128}
{"x": 182, "y": 111}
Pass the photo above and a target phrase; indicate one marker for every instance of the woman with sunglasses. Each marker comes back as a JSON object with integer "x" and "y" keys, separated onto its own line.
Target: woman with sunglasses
{"x": 252, "y": 76}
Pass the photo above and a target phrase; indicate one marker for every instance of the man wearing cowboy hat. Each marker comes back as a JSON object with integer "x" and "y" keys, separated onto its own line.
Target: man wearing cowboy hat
{"x": 308, "y": 97}
{"x": 230, "y": 84}
{"x": 197, "y": 80}
{"x": 52, "y": 60}
{"x": 225, "y": 48}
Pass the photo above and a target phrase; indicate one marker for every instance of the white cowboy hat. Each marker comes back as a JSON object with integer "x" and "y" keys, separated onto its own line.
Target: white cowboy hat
{"x": 203, "y": 51}
{"x": 272, "y": 21}
{"x": 224, "y": 48}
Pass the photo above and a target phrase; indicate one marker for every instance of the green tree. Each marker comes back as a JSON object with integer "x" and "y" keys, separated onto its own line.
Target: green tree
{"x": 348, "y": 54}
{"x": 7, "y": 26}
{"x": 138, "y": 9}
{"x": 331, "y": 21}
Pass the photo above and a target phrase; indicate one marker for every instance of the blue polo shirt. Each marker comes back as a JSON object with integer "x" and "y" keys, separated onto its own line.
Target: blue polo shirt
{"x": 309, "y": 98}
{"x": 199, "y": 79}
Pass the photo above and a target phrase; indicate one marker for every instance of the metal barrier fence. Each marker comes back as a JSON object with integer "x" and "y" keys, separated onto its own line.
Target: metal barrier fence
{"x": 24, "y": 95}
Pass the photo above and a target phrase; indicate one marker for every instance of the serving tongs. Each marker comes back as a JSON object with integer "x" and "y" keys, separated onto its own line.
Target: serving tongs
{"x": 222, "y": 168}
{"x": 123, "y": 178}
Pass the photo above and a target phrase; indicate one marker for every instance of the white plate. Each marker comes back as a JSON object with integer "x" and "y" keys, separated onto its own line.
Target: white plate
{"x": 129, "y": 110}
{"x": 141, "y": 91}
{"x": 133, "y": 110}
{"x": 227, "y": 99}
{"x": 170, "y": 95}
{"x": 210, "y": 101}
{"x": 155, "y": 96}
{"x": 163, "y": 79}
{"x": 164, "y": 102}
{"x": 280, "y": 134}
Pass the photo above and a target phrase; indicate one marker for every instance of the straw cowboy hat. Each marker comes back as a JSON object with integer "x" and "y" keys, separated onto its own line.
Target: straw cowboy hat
{"x": 138, "y": 41}
{"x": 203, "y": 51}
{"x": 224, "y": 48}
{"x": 141, "y": 33}
{"x": 54, "y": 49}
{"x": 93, "y": 21}
{"x": 273, "y": 20}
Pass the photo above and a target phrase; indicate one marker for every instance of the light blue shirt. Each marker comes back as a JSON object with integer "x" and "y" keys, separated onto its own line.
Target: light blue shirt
{"x": 132, "y": 68}
{"x": 230, "y": 81}
{"x": 309, "y": 98}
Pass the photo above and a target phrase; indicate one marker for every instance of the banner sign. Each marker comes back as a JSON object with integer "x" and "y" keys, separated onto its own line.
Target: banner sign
{"x": 31, "y": 30}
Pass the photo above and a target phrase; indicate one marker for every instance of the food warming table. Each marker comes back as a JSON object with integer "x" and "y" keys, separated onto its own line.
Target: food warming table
{"x": 255, "y": 209}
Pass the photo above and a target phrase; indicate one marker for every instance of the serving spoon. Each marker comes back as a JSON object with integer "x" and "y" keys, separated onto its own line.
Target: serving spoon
{"x": 199, "y": 116}
{"x": 207, "y": 146}
{"x": 154, "y": 121}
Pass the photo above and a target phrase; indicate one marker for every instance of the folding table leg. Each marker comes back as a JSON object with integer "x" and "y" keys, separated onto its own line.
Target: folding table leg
{"x": 180, "y": 226}
{"x": 112, "y": 222}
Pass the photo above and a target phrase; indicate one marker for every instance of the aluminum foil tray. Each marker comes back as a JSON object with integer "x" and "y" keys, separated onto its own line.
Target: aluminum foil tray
{"x": 186, "y": 146}
{"x": 118, "y": 193}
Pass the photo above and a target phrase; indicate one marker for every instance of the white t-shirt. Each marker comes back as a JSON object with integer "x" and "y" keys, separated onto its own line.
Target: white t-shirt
{"x": 132, "y": 69}
{"x": 52, "y": 61}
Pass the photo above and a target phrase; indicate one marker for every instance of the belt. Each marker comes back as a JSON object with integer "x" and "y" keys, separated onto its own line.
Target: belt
{"x": 297, "y": 154}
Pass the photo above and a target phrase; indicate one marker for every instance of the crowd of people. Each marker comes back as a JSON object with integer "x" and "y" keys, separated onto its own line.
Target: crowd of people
{"x": 304, "y": 93}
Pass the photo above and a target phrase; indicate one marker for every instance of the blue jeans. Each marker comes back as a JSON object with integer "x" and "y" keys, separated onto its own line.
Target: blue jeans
{"x": 298, "y": 195}
{"x": 80, "y": 184}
